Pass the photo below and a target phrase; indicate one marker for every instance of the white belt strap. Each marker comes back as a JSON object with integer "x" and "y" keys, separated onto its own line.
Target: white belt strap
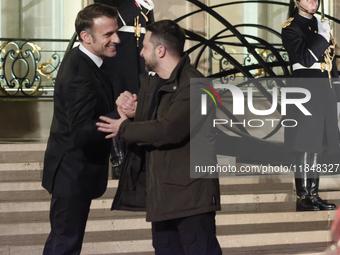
{"x": 128, "y": 29}
{"x": 298, "y": 66}
{"x": 131, "y": 29}
{"x": 121, "y": 18}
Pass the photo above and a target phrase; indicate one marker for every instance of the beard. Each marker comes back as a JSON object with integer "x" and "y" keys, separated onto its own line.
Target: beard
{"x": 151, "y": 64}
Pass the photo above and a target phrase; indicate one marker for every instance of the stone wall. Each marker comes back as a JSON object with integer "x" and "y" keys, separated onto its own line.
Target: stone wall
{"x": 27, "y": 119}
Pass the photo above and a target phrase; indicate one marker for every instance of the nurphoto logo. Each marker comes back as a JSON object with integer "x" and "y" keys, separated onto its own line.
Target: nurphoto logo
{"x": 238, "y": 102}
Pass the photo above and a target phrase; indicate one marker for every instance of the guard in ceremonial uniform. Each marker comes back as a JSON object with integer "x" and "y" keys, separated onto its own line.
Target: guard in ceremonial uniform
{"x": 310, "y": 47}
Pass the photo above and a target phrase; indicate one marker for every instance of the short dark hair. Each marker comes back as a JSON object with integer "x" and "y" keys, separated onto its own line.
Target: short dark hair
{"x": 169, "y": 34}
{"x": 84, "y": 20}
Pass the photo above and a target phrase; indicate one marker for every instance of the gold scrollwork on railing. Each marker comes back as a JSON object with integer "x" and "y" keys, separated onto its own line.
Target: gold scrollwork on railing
{"x": 2, "y": 47}
{"x": 4, "y": 91}
{"x": 35, "y": 90}
{"x": 263, "y": 52}
{"x": 19, "y": 69}
{"x": 35, "y": 47}
{"x": 42, "y": 71}
{"x": 260, "y": 71}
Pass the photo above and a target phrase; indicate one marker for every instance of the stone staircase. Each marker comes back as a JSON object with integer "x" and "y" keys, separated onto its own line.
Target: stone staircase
{"x": 258, "y": 214}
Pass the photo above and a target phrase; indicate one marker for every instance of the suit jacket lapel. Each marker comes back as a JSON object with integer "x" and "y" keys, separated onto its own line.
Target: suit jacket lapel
{"x": 105, "y": 82}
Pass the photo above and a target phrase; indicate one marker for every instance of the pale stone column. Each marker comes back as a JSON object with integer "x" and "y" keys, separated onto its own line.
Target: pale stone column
{"x": 86, "y": 3}
{"x": 10, "y": 18}
{"x": 71, "y": 8}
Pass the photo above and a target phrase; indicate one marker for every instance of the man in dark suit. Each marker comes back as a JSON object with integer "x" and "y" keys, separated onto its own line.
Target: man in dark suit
{"x": 77, "y": 154}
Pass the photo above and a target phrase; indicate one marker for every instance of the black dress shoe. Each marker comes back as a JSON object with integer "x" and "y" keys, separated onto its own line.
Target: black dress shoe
{"x": 323, "y": 205}
{"x": 306, "y": 203}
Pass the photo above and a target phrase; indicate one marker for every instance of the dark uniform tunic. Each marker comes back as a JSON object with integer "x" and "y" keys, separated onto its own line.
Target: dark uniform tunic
{"x": 318, "y": 132}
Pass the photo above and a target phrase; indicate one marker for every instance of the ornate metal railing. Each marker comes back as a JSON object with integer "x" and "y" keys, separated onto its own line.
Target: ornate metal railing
{"x": 231, "y": 67}
{"x": 28, "y": 67}
{"x": 25, "y": 72}
{"x": 266, "y": 54}
{"x": 252, "y": 57}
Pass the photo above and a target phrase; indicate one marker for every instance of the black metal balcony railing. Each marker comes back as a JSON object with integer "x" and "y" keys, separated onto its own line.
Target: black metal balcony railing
{"x": 262, "y": 59}
{"x": 28, "y": 69}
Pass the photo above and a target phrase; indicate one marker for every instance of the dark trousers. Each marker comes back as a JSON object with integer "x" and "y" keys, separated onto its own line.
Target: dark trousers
{"x": 68, "y": 221}
{"x": 193, "y": 235}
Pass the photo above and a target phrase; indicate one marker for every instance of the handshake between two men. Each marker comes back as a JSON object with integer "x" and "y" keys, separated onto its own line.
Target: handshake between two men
{"x": 126, "y": 107}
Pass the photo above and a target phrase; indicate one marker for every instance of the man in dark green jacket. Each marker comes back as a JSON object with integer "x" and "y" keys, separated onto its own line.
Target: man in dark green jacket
{"x": 181, "y": 209}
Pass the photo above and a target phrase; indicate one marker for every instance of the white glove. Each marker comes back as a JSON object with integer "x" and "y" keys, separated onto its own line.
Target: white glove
{"x": 324, "y": 29}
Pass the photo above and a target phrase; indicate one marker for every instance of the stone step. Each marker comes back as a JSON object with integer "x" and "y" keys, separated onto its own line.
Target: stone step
{"x": 35, "y": 203}
{"x": 43, "y": 216}
{"x": 21, "y": 171}
{"x": 33, "y": 191}
{"x": 285, "y": 249}
{"x": 290, "y": 249}
{"x": 138, "y": 222}
{"x": 238, "y": 233}
{"x": 103, "y": 203}
{"x": 231, "y": 185}
{"x": 257, "y": 217}
{"x": 32, "y": 171}
{"x": 22, "y": 152}
{"x": 31, "y": 166}
{"x": 32, "y": 175}
{"x": 16, "y": 172}
{"x": 106, "y": 213}
{"x": 231, "y": 244}
{"x": 235, "y": 230}
{"x": 30, "y": 180}
{"x": 11, "y": 147}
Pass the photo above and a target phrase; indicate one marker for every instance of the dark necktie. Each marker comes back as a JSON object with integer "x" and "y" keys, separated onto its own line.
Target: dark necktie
{"x": 103, "y": 67}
